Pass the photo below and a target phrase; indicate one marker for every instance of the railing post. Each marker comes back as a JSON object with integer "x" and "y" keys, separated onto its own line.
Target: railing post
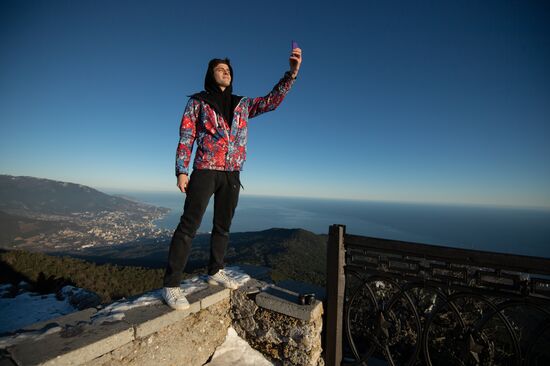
{"x": 336, "y": 282}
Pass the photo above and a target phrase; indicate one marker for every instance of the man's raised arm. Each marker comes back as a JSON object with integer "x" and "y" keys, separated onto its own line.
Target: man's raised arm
{"x": 272, "y": 100}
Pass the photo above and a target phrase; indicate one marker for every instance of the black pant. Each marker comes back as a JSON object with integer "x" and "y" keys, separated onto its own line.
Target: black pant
{"x": 202, "y": 184}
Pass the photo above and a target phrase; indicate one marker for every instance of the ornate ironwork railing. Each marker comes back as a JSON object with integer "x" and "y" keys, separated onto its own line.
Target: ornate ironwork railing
{"x": 414, "y": 304}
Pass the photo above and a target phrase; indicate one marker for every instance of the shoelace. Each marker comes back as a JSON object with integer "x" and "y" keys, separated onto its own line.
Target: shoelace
{"x": 174, "y": 293}
{"x": 225, "y": 277}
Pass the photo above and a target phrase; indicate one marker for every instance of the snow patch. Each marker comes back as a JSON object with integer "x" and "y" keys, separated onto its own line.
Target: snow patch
{"x": 236, "y": 351}
{"x": 28, "y": 308}
{"x": 35, "y": 335}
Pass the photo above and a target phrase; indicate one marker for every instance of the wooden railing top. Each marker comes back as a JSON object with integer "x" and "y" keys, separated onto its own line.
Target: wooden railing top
{"x": 504, "y": 261}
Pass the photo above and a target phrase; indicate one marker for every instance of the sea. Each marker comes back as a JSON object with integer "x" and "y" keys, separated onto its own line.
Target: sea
{"x": 524, "y": 231}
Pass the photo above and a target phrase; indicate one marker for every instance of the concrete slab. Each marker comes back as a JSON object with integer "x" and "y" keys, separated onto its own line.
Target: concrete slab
{"x": 73, "y": 345}
{"x": 253, "y": 286}
{"x": 285, "y": 304}
{"x": 71, "y": 319}
{"x": 212, "y": 295}
{"x": 153, "y": 318}
{"x": 199, "y": 295}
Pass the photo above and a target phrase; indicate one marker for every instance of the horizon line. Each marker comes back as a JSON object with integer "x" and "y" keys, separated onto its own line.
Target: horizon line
{"x": 290, "y": 196}
{"x": 366, "y": 200}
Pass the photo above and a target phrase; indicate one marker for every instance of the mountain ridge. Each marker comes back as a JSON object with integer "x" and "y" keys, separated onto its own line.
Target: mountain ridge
{"x": 21, "y": 194}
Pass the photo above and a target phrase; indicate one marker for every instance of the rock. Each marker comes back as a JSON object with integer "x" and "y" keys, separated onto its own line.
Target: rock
{"x": 79, "y": 297}
{"x": 284, "y": 339}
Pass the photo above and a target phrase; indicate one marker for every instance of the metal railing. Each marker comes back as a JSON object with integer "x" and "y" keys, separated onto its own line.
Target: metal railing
{"x": 398, "y": 303}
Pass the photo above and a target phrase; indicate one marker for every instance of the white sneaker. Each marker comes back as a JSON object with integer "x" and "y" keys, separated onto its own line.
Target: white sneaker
{"x": 173, "y": 296}
{"x": 221, "y": 278}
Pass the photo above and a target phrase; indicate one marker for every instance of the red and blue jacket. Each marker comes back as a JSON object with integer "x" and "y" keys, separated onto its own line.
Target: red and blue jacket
{"x": 222, "y": 146}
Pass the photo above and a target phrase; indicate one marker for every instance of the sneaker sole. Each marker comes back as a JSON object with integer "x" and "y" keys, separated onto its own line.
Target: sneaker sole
{"x": 180, "y": 307}
{"x": 212, "y": 282}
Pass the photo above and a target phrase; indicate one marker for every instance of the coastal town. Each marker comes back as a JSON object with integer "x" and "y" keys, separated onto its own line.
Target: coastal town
{"x": 93, "y": 229}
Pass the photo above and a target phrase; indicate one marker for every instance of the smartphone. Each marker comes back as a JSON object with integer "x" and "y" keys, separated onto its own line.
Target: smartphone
{"x": 294, "y": 45}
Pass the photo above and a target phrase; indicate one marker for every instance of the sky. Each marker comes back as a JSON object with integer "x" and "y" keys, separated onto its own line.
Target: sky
{"x": 411, "y": 101}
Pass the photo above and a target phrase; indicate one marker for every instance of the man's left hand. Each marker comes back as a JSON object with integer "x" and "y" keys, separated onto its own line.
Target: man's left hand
{"x": 295, "y": 60}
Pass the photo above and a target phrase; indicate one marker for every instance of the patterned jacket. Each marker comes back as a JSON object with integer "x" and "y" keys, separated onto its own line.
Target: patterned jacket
{"x": 219, "y": 146}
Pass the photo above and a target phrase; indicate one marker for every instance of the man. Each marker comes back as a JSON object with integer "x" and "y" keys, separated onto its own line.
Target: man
{"x": 217, "y": 121}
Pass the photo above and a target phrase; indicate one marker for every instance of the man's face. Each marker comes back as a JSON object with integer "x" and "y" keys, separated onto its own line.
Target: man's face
{"x": 222, "y": 75}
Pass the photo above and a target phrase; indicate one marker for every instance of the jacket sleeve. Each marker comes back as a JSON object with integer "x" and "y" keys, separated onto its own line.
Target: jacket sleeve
{"x": 188, "y": 129}
{"x": 271, "y": 101}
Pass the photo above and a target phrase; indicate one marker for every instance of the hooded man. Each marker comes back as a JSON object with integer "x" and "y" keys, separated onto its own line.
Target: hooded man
{"x": 217, "y": 121}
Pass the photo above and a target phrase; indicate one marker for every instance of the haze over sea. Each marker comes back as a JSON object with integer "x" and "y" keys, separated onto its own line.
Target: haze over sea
{"x": 523, "y": 231}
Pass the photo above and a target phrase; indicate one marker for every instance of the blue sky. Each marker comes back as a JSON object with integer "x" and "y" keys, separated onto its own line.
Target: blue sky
{"x": 422, "y": 101}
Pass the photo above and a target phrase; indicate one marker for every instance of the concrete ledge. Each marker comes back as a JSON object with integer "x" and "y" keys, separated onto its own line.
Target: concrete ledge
{"x": 189, "y": 341}
{"x": 213, "y": 295}
{"x": 269, "y": 317}
{"x": 74, "y": 345}
{"x": 69, "y": 320}
{"x": 285, "y": 302}
{"x": 79, "y": 340}
{"x": 150, "y": 319}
